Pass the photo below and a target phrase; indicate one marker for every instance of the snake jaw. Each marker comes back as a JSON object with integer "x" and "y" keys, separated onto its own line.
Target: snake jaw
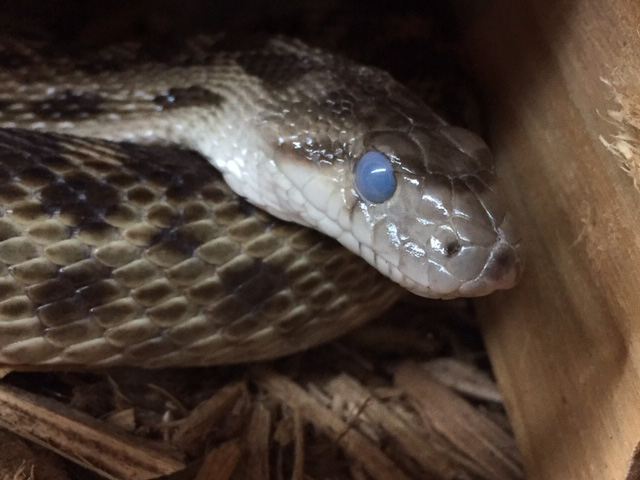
{"x": 434, "y": 259}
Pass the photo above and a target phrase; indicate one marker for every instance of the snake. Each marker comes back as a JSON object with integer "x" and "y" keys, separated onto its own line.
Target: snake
{"x": 225, "y": 200}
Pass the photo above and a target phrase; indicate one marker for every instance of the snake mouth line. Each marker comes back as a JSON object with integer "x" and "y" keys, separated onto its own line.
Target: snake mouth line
{"x": 501, "y": 270}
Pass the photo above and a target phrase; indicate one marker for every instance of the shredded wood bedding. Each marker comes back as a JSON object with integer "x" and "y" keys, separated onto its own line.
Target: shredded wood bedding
{"x": 407, "y": 397}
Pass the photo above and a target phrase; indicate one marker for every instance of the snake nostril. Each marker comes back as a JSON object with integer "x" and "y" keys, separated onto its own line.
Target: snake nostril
{"x": 445, "y": 243}
{"x": 452, "y": 248}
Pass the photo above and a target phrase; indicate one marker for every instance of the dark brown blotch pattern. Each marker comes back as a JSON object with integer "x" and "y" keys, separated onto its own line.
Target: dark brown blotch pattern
{"x": 193, "y": 96}
{"x": 121, "y": 254}
{"x": 68, "y": 105}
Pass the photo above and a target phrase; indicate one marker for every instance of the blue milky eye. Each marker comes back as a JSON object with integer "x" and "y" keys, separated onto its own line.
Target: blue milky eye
{"x": 375, "y": 181}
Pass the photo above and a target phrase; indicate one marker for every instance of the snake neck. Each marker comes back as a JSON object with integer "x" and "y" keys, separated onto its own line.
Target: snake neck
{"x": 222, "y": 105}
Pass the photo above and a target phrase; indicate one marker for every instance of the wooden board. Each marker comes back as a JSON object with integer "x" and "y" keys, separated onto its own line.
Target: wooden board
{"x": 562, "y": 80}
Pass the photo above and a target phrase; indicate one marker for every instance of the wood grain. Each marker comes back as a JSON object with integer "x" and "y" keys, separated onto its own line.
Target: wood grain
{"x": 561, "y": 79}
{"x": 95, "y": 445}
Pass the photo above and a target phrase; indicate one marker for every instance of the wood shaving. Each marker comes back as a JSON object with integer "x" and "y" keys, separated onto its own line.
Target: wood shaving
{"x": 625, "y": 144}
{"x": 346, "y": 410}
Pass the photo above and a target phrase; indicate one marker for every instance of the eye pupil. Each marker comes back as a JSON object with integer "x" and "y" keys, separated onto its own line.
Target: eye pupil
{"x": 375, "y": 180}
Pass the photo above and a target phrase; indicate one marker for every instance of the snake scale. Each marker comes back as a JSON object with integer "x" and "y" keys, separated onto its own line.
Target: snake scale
{"x": 121, "y": 245}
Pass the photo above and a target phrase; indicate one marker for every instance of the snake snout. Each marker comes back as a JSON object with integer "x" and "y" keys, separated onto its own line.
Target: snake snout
{"x": 447, "y": 266}
{"x": 502, "y": 271}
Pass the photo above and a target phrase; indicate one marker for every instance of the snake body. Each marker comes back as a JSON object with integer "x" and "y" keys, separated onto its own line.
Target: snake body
{"x": 117, "y": 253}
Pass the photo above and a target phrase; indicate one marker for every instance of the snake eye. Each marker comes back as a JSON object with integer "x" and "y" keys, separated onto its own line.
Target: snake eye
{"x": 375, "y": 180}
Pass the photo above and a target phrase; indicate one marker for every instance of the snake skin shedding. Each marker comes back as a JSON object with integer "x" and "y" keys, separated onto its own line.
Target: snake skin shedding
{"x": 124, "y": 254}
{"x": 128, "y": 255}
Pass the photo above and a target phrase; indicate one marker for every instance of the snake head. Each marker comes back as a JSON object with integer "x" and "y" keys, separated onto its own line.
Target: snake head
{"x": 368, "y": 163}
{"x": 417, "y": 203}
{"x": 441, "y": 231}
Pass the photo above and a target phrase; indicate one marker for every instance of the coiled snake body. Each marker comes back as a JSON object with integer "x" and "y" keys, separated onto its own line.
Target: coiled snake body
{"x": 118, "y": 253}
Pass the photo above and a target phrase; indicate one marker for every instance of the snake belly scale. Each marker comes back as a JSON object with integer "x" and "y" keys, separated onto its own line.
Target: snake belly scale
{"x": 124, "y": 254}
